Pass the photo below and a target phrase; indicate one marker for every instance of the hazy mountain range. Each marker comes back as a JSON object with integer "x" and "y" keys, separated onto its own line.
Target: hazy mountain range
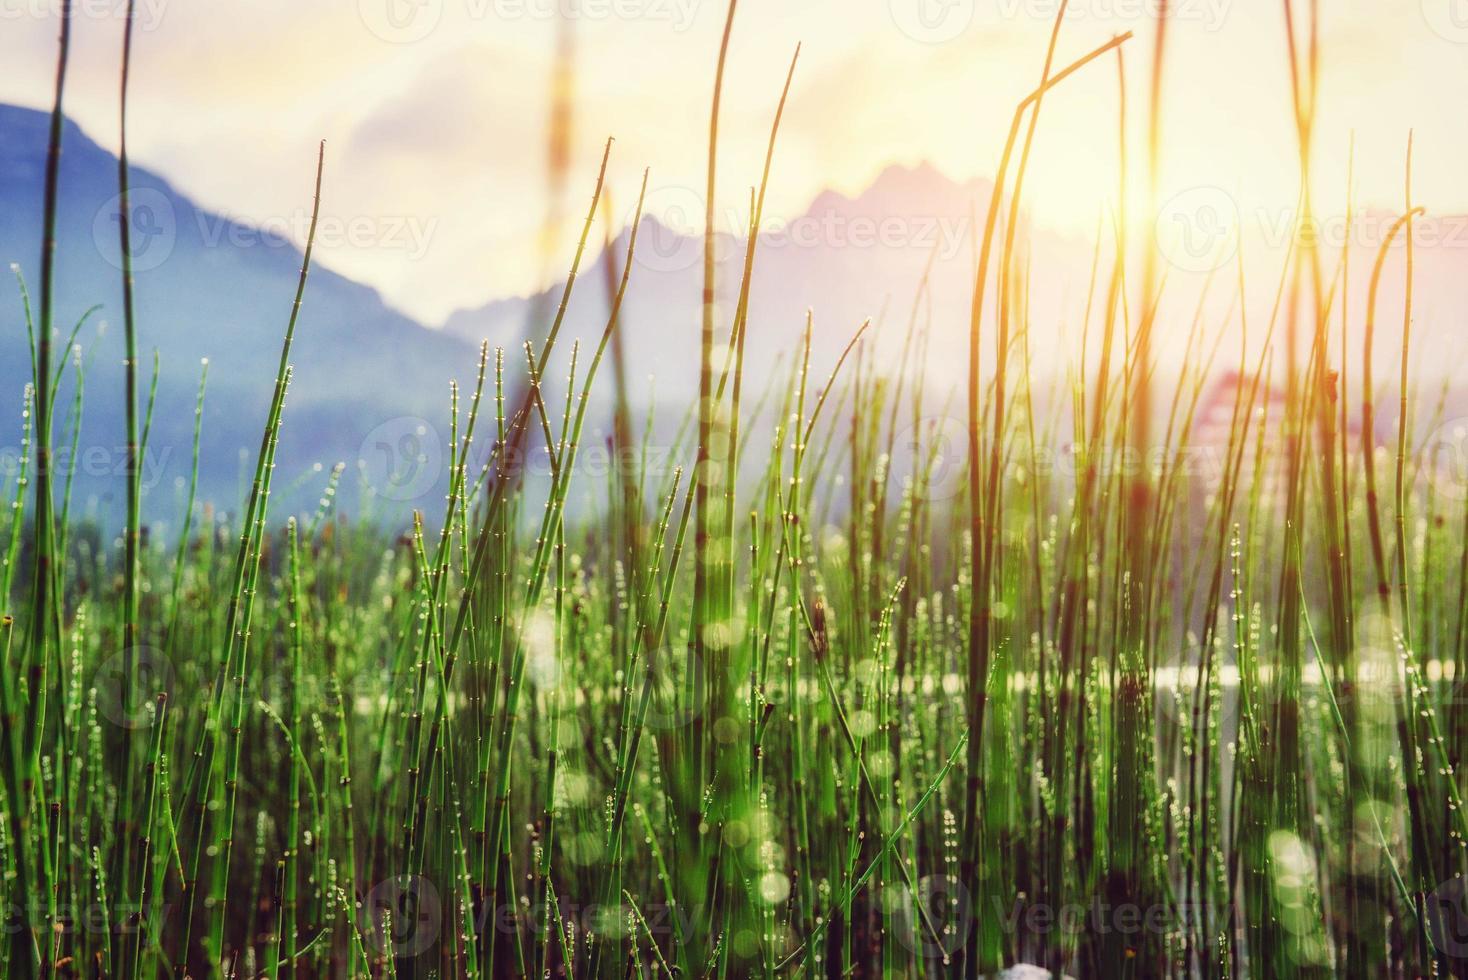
{"x": 370, "y": 384}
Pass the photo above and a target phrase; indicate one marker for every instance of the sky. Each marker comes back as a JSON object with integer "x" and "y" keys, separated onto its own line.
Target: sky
{"x": 434, "y": 111}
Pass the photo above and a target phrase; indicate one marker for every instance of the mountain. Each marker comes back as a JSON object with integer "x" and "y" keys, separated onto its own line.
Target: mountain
{"x": 209, "y": 287}
{"x": 847, "y": 259}
{"x": 370, "y": 385}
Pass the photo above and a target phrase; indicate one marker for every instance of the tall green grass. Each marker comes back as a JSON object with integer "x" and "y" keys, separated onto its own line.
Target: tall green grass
{"x": 840, "y": 716}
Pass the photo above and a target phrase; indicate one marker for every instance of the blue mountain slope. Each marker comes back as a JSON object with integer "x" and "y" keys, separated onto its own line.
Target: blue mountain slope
{"x": 208, "y": 287}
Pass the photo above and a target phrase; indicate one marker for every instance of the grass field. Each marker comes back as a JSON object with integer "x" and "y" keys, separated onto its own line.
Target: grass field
{"x": 1052, "y": 695}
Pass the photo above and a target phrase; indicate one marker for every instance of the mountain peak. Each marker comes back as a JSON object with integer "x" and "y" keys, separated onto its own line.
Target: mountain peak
{"x": 905, "y": 189}
{"x": 904, "y": 178}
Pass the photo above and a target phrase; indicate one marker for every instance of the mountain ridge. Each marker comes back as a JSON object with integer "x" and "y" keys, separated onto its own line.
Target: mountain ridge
{"x": 207, "y": 286}
{"x": 371, "y": 383}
